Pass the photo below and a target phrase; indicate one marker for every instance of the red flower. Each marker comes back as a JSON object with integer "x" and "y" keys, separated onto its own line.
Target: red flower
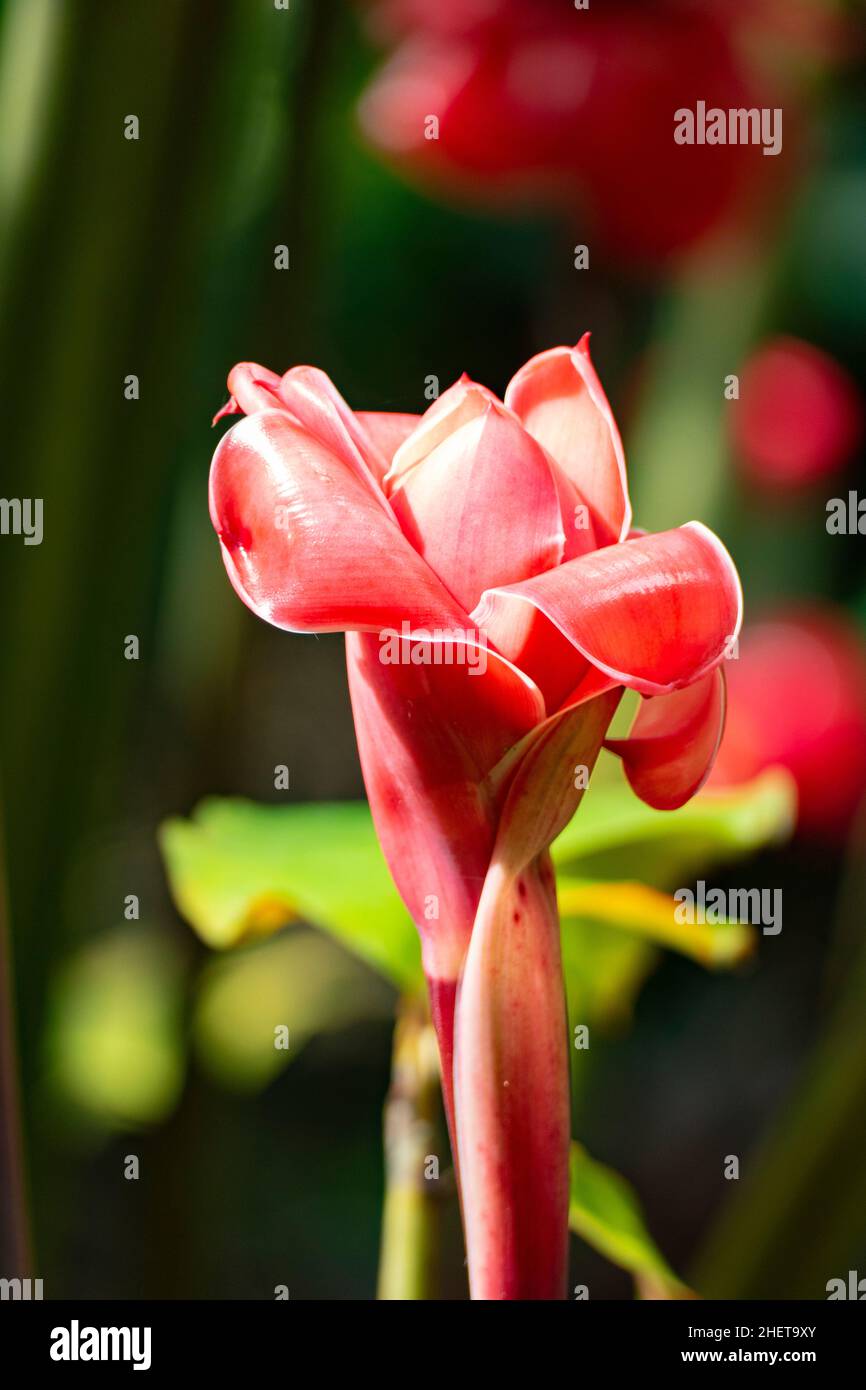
{"x": 480, "y": 561}
{"x": 799, "y": 417}
{"x": 541, "y": 95}
{"x": 797, "y": 697}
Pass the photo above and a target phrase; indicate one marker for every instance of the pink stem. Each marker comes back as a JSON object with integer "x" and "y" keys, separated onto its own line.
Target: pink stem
{"x": 512, "y": 1090}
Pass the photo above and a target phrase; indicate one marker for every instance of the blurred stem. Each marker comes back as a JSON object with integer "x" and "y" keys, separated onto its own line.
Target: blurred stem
{"x": 15, "y": 1255}
{"x": 409, "y": 1250}
{"x": 678, "y": 454}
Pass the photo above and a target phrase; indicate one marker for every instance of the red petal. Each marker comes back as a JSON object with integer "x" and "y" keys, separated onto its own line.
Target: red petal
{"x": 482, "y": 507}
{"x": 387, "y": 429}
{"x": 654, "y": 613}
{"x": 536, "y": 785}
{"x": 560, "y": 400}
{"x": 314, "y": 401}
{"x": 254, "y": 388}
{"x": 427, "y": 738}
{"x": 308, "y": 545}
{"x": 673, "y": 744}
{"x": 464, "y": 401}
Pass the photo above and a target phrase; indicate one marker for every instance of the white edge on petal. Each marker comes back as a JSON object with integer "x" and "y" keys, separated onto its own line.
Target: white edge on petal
{"x": 722, "y": 550}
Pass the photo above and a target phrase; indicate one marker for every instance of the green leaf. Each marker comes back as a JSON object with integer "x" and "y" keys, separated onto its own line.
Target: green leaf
{"x": 115, "y": 1046}
{"x": 605, "y": 1212}
{"x": 649, "y": 915}
{"x": 299, "y": 981}
{"x": 604, "y": 973}
{"x": 238, "y": 870}
{"x": 615, "y": 836}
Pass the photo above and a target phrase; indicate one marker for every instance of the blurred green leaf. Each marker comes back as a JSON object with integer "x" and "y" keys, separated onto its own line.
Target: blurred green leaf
{"x": 649, "y": 915}
{"x": 615, "y": 836}
{"x": 238, "y": 870}
{"x": 605, "y": 1212}
{"x": 604, "y": 973}
{"x": 115, "y": 1046}
{"x": 298, "y": 980}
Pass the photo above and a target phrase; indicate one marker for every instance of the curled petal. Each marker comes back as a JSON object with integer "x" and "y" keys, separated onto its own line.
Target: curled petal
{"x": 532, "y": 642}
{"x": 366, "y": 441}
{"x": 307, "y": 544}
{"x": 560, "y": 400}
{"x": 251, "y": 388}
{"x": 314, "y": 401}
{"x": 482, "y": 507}
{"x": 673, "y": 743}
{"x": 654, "y": 614}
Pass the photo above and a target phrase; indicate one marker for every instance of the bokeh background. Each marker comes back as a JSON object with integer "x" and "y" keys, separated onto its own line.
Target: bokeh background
{"x": 259, "y": 127}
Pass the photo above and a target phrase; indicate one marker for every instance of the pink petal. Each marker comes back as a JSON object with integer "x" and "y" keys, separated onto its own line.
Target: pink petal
{"x": 387, "y": 429}
{"x": 428, "y": 736}
{"x": 673, "y": 744}
{"x": 464, "y": 401}
{"x": 482, "y": 507}
{"x": 314, "y": 401}
{"x": 654, "y": 613}
{"x": 560, "y": 400}
{"x": 308, "y": 544}
{"x": 535, "y": 785}
{"x": 252, "y": 388}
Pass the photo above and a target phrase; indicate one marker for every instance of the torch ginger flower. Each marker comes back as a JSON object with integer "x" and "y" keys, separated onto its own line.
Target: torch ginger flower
{"x": 495, "y": 538}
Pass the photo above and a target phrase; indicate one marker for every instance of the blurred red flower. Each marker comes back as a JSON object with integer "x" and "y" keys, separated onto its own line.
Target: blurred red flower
{"x": 799, "y": 417}
{"x": 574, "y": 102}
{"x": 797, "y": 697}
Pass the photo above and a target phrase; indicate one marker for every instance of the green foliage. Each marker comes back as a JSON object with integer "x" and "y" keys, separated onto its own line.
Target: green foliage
{"x": 115, "y": 1048}
{"x": 239, "y": 870}
{"x": 298, "y": 981}
{"x": 605, "y": 1212}
{"x": 616, "y": 836}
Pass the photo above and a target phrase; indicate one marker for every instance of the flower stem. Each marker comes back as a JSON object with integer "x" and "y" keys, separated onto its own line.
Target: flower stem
{"x": 512, "y": 1089}
{"x": 410, "y": 1221}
